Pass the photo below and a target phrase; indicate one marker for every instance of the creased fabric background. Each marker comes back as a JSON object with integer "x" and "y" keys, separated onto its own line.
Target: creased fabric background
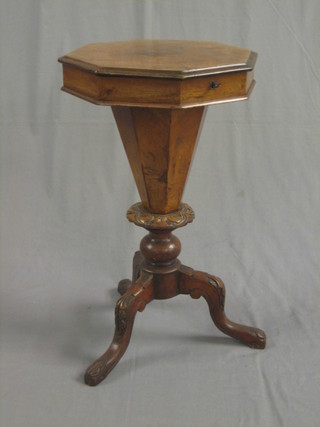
{"x": 65, "y": 242}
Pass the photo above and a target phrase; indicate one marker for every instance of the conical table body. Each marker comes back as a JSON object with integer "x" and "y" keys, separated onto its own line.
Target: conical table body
{"x": 159, "y": 144}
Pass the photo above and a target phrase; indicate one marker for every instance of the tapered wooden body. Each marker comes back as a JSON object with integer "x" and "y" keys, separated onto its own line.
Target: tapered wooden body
{"x": 159, "y": 143}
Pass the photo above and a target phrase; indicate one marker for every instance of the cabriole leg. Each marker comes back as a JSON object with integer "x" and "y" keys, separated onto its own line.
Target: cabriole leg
{"x": 135, "y": 299}
{"x": 198, "y": 284}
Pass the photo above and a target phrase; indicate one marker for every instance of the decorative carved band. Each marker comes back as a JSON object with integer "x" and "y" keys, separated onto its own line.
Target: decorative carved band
{"x": 153, "y": 221}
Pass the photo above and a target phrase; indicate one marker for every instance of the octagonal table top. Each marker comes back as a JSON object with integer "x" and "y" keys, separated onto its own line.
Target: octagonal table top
{"x": 159, "y": 73}
{"x": 160, "y": 58}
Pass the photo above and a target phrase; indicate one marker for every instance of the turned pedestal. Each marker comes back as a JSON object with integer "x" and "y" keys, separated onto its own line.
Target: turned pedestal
{"x": 159, "y": 91}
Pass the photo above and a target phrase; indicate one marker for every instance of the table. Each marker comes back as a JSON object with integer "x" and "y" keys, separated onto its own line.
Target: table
{"x": 159, "y": 91}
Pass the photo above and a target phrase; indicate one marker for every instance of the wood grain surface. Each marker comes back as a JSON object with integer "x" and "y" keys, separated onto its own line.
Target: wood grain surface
{"x": 149, "y": 84}
{"x": 159, "y": 73}
{"x": 160, "y": 58}
{"x": 159, "y": 144}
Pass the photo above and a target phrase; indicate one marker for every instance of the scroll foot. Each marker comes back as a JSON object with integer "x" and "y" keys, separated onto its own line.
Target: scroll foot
{"x": 125, "y": 284}
{"x": 197, "y": 284}
{"x": 135, "y": 299}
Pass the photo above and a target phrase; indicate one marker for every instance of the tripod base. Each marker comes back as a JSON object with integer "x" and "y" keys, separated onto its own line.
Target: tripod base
{"x": 146, "y": 286}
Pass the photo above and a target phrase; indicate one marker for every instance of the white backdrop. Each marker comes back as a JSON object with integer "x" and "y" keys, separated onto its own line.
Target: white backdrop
{"x": 65, "y": 241}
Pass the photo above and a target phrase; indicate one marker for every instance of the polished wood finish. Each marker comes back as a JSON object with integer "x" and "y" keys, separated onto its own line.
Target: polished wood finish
{"x": 226, "y": 87}
{"x": 158, "y": 91}
{"x": 125, "y": 91}
{"x": 159, "y": 275}
{"x": 159, "y": 73}
{"x": 160, "y": 58}
{"x": 140, "y": 294}
{"x": 159, "y": 144}
{"x": 198, "y": 284}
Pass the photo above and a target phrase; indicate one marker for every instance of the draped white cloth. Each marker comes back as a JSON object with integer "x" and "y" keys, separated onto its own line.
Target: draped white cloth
{"x": 65, "y": 242}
